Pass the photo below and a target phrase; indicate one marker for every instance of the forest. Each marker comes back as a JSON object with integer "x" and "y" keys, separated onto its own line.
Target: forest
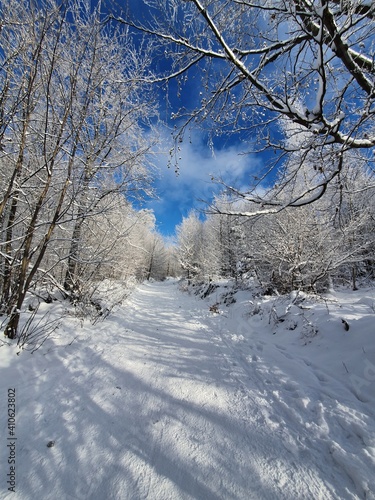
{"x": 80, "y": 95}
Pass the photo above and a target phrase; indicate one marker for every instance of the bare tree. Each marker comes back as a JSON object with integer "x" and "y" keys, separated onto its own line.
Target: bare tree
{"x": 172, "y": 266}
{"x": 303, "y": 248}
{"x": 189, "y": 245}
{"x": 157, "y": 257}
{"x": 112, "y": 146}
{"x": 73, "y": 88}
{"x": 307, "y": 62}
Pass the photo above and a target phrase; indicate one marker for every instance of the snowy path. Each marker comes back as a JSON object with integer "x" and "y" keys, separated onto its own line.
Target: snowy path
{"x": 160, "y": 402}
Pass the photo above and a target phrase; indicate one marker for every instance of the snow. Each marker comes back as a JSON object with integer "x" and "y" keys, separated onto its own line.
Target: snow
{"x": 165, "y": 399}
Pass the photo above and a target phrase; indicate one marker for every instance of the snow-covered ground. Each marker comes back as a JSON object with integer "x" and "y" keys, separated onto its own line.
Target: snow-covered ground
{"x": 167, "y": 399}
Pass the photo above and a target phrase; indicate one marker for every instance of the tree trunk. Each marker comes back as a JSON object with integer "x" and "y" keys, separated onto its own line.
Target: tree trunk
{"x": 70, "y": 282}
{"x": 354, "y": 278}
{"x": 8, "y": 261}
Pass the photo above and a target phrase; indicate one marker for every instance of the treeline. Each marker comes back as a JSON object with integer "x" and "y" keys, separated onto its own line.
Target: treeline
{"x": 301, "y": 248}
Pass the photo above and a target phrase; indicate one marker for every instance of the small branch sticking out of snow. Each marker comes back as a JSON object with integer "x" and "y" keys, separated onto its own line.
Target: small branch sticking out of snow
{"x": 346, "y": 324}
{"x": 214, "y": 308}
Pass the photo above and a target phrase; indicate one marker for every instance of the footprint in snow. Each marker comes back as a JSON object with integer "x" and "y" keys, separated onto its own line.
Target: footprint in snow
{"x": 292, "y": 389}
{"x": 280, "y": 347}
{"x": 290, "y": 386}
{"x": 321, "y": 377}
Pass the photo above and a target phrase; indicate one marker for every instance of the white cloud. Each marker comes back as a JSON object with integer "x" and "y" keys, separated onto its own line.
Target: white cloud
{"x": 197, "y": 163}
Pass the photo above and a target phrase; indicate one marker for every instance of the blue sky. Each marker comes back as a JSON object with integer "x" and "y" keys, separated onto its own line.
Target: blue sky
{"x": 179, "y": 193}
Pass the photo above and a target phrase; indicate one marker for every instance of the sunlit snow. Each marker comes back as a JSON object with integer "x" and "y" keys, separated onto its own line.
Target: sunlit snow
{"x": 266, "y": 398}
